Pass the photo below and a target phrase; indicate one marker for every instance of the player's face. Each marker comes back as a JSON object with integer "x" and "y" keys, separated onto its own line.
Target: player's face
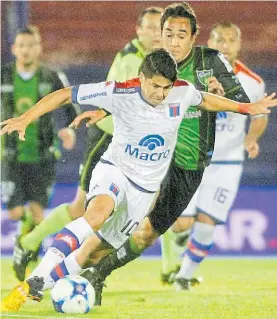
{"x": 26, "y": 49}
{"x": 156, "y": 89}
{"x": 149, "y": 32}
{"x": 177, "y": 37}
{"x": 227, "y": 41}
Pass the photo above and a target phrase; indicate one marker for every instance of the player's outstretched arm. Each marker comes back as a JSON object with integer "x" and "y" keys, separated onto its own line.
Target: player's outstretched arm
{"x": 45, "y": 105}
{"x": 216, "y": 103}
{"x": 91, "y": 116}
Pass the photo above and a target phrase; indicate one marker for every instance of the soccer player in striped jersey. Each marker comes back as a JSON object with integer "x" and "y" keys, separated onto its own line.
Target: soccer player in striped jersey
{"x": 216, "y": 194}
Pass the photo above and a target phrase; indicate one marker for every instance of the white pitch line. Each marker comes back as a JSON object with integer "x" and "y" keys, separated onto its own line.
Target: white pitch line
{"x": 2, "y": 315}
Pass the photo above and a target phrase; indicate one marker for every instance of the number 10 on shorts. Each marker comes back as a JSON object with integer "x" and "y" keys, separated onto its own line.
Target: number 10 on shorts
{"x": 129, "y": 227}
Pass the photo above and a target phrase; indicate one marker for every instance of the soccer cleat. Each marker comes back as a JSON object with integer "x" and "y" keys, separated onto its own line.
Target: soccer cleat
{"x": 185, "y": 284}
{"x": 31, "y": 288}
{"x": 16, "y": 298}
{"x": 182, "y": 284}
{"x": 97, "y": 282}
{"x": 21, "y": 259}
{"x": 169, "y": 278}
{"x": 36, "y": 285}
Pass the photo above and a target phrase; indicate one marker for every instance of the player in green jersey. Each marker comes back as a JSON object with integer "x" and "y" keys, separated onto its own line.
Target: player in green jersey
{"x": 28, "y": 168}
{"x": 125, "y": 66}
{"x": 195, "y": 138}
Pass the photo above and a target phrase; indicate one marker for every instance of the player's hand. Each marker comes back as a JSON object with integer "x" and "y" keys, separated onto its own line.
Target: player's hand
{"x": 68, "y": 138}
{"x": 15, "y": 124}
{"x": 252, "y": 147}
{"x": 91, "y": 116}
{"x": 215, "y": 87}
{"x": 262, "y": 106}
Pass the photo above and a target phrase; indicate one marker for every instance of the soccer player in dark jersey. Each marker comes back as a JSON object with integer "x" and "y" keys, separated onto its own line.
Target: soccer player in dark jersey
{"x": 28, "y": 169}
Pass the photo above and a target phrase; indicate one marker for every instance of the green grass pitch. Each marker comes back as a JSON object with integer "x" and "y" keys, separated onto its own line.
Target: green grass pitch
{"x": 232, "y": 289}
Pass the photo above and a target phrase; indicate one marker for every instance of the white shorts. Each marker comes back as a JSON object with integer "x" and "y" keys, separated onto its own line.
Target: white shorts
{"x": 216, "y": 193}
{"x": 131, "y": 204}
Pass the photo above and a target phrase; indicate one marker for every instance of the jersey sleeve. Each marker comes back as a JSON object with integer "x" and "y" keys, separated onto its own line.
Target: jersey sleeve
{"x": 94, "y": 94}
{"x": 224, "y": 74}
{"x": 68, "y": 113}
{"x": 197, "y": 97}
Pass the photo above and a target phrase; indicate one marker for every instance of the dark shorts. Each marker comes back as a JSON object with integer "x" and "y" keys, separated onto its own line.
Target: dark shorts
{"x": 177, "y": 190}
{"x": 97, "y": 145}
{"x": 24, "y": 182}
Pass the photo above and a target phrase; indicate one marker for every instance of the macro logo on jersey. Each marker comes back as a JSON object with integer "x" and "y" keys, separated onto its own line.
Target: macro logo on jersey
{"x": 203, "y": 76}
{"x": 174, "y": 109}
{"x": 151, "y": 141}
{"x": 113, "y": 188}
{"x": 148, "y": 149}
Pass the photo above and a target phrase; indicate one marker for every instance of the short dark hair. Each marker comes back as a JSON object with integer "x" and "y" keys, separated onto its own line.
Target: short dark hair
{"x": 150, "y": 10}
{"x": 30, "y": 30}
{"x": 159, "y": 62}
{"x": 181, "y": 10}
{"x": 227, "y": 25}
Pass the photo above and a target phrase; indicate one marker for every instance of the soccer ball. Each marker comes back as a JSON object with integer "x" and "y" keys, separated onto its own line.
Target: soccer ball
{"x": 73, "y": 294}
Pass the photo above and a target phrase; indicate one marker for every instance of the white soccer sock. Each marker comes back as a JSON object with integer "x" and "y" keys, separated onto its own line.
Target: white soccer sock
{"x": 80, "y": 228}
{"x": 71, "y": 264}
{"x": 51, "y": 259}
{"x": 203, "y": 235}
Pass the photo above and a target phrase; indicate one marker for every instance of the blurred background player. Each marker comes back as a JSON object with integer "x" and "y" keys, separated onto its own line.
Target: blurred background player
{"x": 28, "y": 168}
{"x": 216, "y": 194}
{"x": 125, "y": 66}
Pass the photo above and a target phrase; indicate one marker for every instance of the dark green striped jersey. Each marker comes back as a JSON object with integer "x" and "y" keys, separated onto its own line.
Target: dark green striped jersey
{"x": 196, "y": 134}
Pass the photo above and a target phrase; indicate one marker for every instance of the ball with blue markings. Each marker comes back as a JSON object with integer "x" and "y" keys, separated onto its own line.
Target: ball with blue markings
{"x": 73, "y": 294}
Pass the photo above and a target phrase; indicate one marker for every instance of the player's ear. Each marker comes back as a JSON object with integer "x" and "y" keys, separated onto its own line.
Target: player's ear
{"x": 141, "y": 77}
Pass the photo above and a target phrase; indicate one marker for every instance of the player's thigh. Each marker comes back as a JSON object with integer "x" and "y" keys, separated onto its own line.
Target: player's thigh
{"x": 128, "y": 215}
{"x": 41, "y": 179}
{"x": 176, "y": 192}
{"x": 106, "y": 193}
{"x": 96, "y": 147}
{"x": 218, "y": 191}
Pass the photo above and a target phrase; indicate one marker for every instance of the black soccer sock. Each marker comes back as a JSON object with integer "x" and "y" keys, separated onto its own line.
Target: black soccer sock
{"x": 117, "y": 258}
